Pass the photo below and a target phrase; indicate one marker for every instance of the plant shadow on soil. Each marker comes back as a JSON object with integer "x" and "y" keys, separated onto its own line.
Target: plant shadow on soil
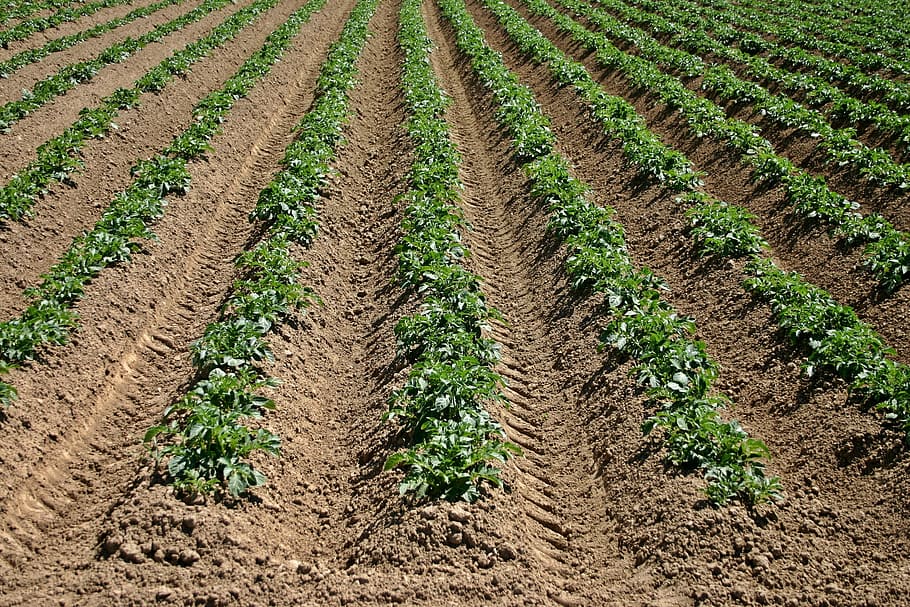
{"x": 870, "y": 452}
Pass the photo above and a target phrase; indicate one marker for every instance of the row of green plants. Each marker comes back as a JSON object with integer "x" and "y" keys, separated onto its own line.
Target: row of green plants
{"x": 673, "y": 367}
{"x": 641, "y": 148}
{"x": 726, "y": 231}
{"x": 454, "y": 444}
{"x": 58, "y": 157}
{"x": 49, "y": 317}
{"x": 20, "y": 9}
{"x": 68, "y": 12}
{"x": 73, "y": 74}
{"x": 687, "y": 29}
{"x": 836, "y": 341}
{"x": 33, "y": 55}
{"x": 206, "y": 436}
{"x": 887, "y": 249}
{"x": 884, "y": 34}
{"x": 846, "y": 347}
{"x": 840, "y": 144}
{"x": 894, "y": 93}
{"x": 760, "y": 30}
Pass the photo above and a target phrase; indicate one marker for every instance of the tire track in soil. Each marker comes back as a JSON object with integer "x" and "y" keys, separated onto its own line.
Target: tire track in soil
{"x": 835, "y": 460}
{"x": 31, "y": 248}
{"x": 562, "y": 499}
{"x": 69, "y": 464}
{"x": 27, "y": 76}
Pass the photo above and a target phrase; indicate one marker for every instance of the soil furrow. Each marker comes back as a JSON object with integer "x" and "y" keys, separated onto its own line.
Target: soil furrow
{"x": 31, "y": 248}
{"x": 332, "y": 396}
{"x": 129, "y": 310}
{"x": 802, "y": 149}
{"x": 507, "y": 232}
{"x": 674, "y": 130}
{"x": 50, "y": 119}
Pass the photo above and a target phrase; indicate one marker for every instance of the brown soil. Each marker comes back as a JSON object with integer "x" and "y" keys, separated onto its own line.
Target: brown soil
{"x": 50, "y": 119}
{"x": 796, "y": 244}
{"x": 804, "y": 151}
{"x": 592, "y": 516}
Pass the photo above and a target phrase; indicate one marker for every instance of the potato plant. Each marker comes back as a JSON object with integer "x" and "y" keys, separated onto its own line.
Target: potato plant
{"x": 29, "y": 56}
{"x": 809, "y": 194}
{"x": 20, "y": 9}
{"x": 455, "y": 445}
{"x": 840, "y": 144}
{"x": 697, "y": 34}
{"x": 837, "y": 341}
{"x": 58, "y": 157}
{"x": 67, "y": 12}
{"x": 841, "y": 343}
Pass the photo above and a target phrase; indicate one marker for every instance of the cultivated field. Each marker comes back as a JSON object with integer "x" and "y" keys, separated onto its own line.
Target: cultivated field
{"x": 454, "y": 302}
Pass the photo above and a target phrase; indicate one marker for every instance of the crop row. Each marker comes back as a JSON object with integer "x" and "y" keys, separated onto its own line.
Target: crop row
{"x": 58, "y": 157}
{"x": 893, "y": 92}
{"x": 755, "y": 27}
{"x": 204, "y": 435}
{"x": 70, "y": 76}
{"x": 690, "y": 31}
{"x": 726, "y": 231}
{"x": 884, "y": 34}
{"x": 29, "y": 56}
{"x": 454, "y": 443}
{"x": 840, "y": 144}
{"x": 836, "y": 341}
{"x": 887, "y": 249}
{"x": 674, "y": 367}
{"x": 19, "y": 9}
{"x": 49, "y": 318}
{"x": 23, "y": 30}
{"x": 641, "y": 148}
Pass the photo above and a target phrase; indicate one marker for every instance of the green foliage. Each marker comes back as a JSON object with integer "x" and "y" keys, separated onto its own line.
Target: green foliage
{"x": 206, "y": 441}
{"x": 697, "y": 437}
{"x": 809, "y": 195}
{"x": 66, "y": 13}
{"x": 455, "y": 444}
{"x": 58, "y": 157}
{"x": 836, "y": 340}
{"x": 723, "y": 230}
{"x": 455, "y": 459}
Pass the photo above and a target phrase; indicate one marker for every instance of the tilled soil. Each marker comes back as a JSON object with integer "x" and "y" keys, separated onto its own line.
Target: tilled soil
{"x": 591, "y": 515}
